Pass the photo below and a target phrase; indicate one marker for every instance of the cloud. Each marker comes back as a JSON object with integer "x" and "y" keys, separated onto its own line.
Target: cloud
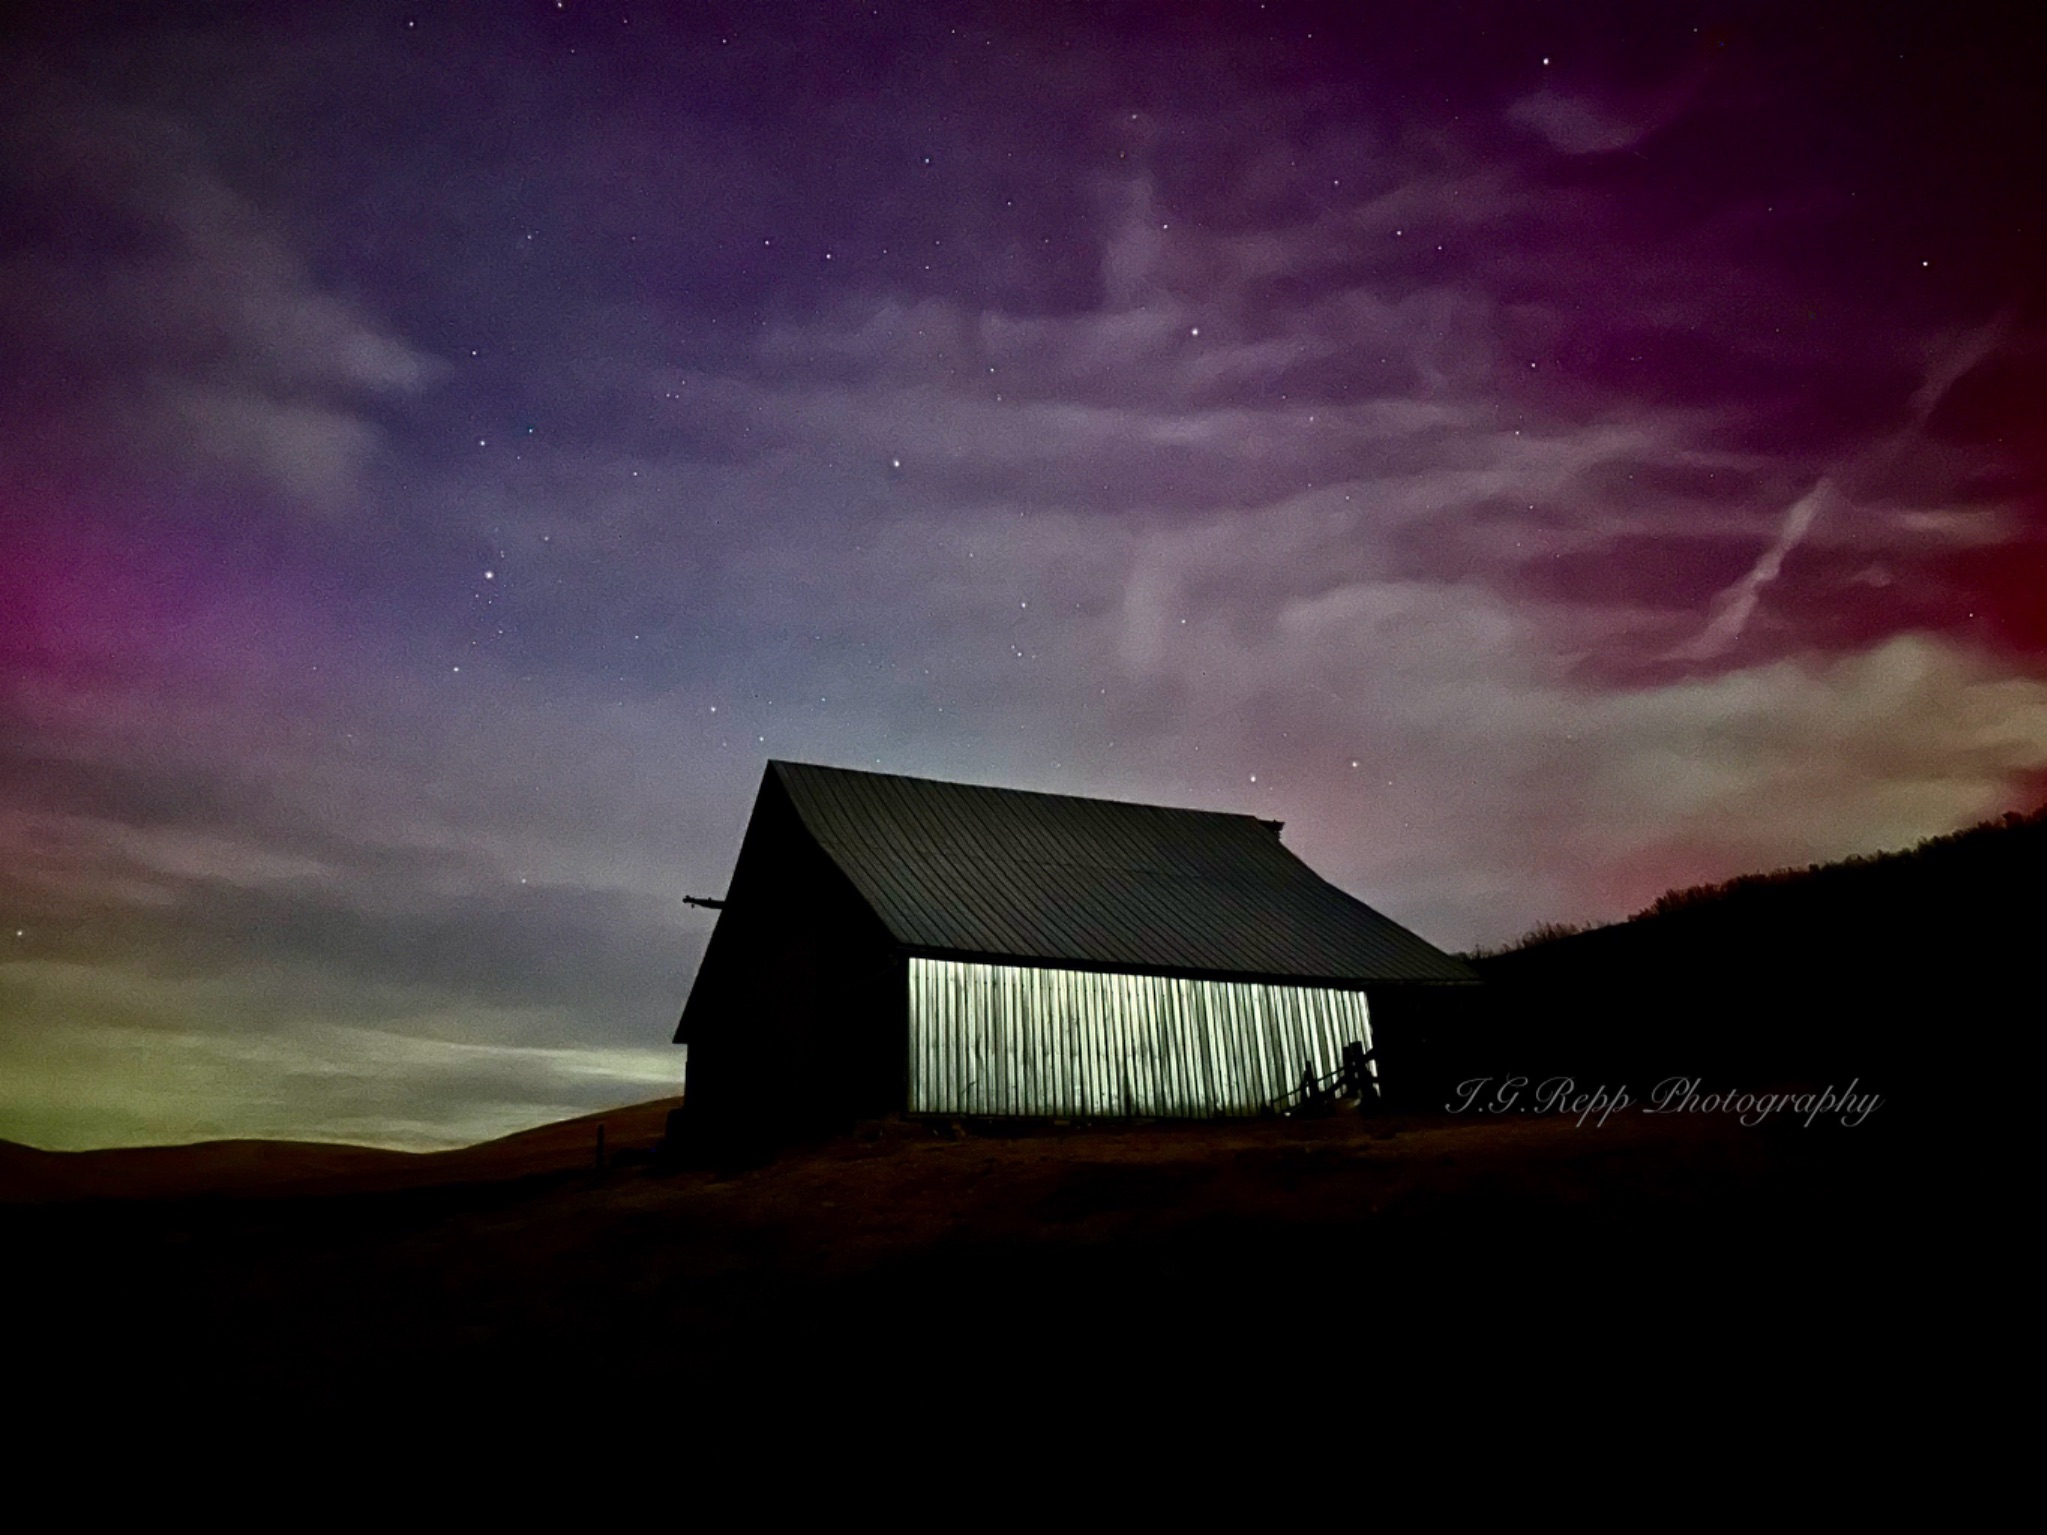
{"x": 339, "y": 834}
{"x": 1733, "y": 607}
{"x": 90, "y": 1073}
{"x": 1952, "y": 358}
{"x": 169, "y": 313}
{"x": 1132, "y": 244}
{"x": 1575, "y": 123}
{"x": 313, "y": 453}
{"x": 1434, "y": 745}
{"x": 329, "y": 920}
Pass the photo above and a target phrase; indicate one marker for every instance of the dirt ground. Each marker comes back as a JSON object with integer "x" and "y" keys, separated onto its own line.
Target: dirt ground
{"x": 1447, "y": 1247}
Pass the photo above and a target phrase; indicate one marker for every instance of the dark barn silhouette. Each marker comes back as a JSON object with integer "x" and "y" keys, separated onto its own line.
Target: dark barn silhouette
{"x": 894, "y": 944}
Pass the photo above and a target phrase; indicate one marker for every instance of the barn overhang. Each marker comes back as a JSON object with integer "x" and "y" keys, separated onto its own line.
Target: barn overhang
{"x": 1328, "y": 982}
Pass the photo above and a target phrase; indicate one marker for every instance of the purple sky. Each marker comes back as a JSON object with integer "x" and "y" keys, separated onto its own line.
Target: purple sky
{"x": 1543, "y": 454}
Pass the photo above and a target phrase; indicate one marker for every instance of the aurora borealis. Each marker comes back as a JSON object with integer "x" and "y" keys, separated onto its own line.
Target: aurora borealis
{"x": 1544, "y": 454}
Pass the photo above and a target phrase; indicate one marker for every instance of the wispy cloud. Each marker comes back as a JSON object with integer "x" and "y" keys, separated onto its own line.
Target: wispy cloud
{"x": 171, "y": 317}
{"x": 1733, "y": 608}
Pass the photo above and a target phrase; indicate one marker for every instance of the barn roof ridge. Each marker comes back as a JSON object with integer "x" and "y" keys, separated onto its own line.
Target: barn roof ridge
{"x": 922, "y": 779}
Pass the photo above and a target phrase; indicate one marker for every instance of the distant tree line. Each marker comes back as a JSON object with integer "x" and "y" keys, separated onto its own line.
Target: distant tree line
{"x": 1852, "y": 968}
{"x": 1971, "y": 841}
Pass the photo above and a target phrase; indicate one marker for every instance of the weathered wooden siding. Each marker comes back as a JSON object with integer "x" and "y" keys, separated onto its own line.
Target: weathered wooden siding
{"x": 1011, "y": 1039}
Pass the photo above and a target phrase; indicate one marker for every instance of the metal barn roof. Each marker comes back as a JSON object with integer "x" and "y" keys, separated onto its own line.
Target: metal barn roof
{"x": 1055, "y": 879}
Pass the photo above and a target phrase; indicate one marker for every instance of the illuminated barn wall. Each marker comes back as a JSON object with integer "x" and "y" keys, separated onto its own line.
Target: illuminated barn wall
{"x": 1012, "y": 1039}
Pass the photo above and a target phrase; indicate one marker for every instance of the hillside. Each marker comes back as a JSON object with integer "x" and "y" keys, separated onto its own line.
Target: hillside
{"x": 276, "y": 1169}
{"x": 1259, "y": 1253}
{"x": 1822, "y": 973}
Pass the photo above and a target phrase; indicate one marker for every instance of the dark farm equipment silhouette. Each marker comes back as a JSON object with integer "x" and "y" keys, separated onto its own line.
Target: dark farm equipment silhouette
{"x": 1354, "y": 1079}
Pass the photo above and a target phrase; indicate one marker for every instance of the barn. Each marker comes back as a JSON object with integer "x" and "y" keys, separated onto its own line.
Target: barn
{"x": 891, "y": 944}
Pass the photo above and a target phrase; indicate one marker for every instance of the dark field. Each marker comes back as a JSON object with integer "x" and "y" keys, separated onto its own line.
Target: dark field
{"x": 1464, "y": 1249}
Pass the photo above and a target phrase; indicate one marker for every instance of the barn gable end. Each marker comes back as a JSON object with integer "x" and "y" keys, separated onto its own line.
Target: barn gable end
{"x": 795, "y": 1016}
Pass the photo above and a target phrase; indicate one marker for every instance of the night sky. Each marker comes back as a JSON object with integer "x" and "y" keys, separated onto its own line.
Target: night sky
{"x": 1543, "y": 454}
